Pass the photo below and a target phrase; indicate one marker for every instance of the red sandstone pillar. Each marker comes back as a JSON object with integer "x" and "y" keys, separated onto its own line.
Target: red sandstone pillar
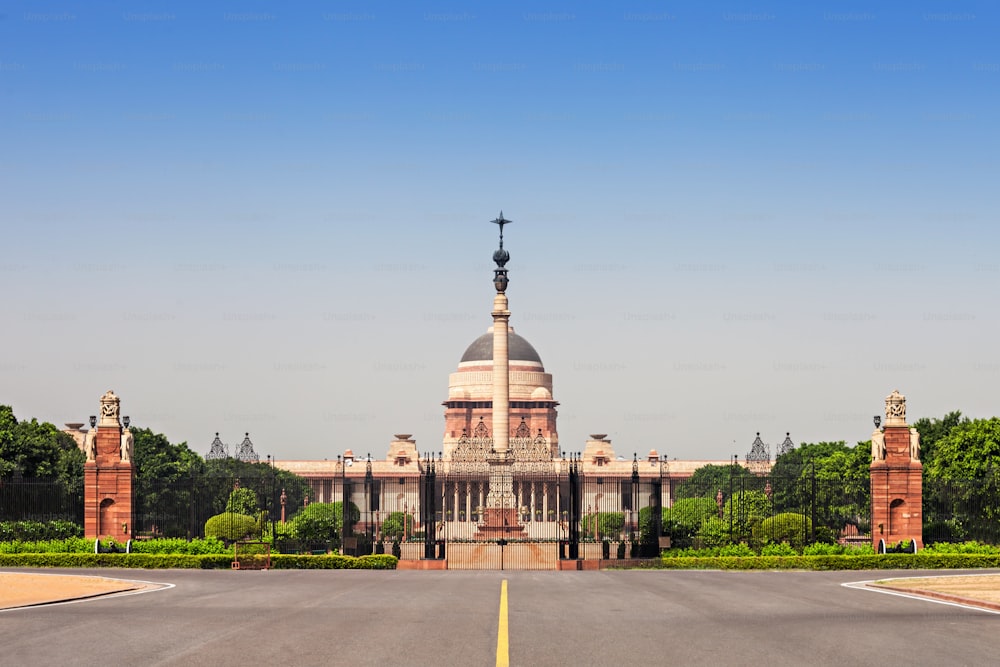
{"x": 108, "y": 477}
{"x": 896, "y": 478}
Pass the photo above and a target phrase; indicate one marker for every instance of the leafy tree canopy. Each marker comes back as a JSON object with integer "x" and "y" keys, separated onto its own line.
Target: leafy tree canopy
{"x": 709, "y": 480}
{"x": 243, "y": 501}
{"x": 322, "y": 522}
{"x": 155, "y": 458}
{"x": 932, "y": 430}
{"x": 38, "y": 450}
{"x": 970, "y": 450}
{"x": 832, "y": 460}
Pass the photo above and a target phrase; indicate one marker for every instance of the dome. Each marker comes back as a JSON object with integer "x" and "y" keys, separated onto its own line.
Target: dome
{"x": 541, "y": 394}
{"x": 518, "y": 349}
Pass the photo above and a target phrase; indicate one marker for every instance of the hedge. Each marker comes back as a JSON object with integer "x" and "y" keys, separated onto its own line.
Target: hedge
{"x": 189, "y": 561}
{"x": 919, "y": 561}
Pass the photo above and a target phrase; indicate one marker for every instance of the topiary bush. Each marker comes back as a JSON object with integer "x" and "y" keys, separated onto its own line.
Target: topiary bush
{"x": 231, "y": 527}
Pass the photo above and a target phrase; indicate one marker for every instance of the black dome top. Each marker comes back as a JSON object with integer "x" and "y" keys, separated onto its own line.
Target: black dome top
{"x": 517, "y": 347}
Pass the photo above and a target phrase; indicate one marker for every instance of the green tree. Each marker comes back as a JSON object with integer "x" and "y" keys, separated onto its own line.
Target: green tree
{"x": 710, "y": 479}
{"x": 392, "y": 527}
{"x": 243, "y": 501}
{"x": 743, "y": 511}
{"x": 932, "y": 430}
{"x": 166, "y": 485}
{"x": 828, "y": 480}
{"x": 684, "y": 518}
{"x": 8, "y": 423}
{"x": 320, "y": 523}
{"x": 970, "y": 450}
{"x": 38, "y": 450}
{"x": 609, "y": 524}
{"x": 963, "y": 482}
{"x": 219, "y": 475}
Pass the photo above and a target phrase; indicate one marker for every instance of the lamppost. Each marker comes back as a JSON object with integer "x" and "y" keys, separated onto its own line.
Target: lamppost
{"x": 634, "y": 511}
{"x": 732, "y": 471}
{"x": 343, "y": 505}
{"x": 368, "y": 502}
{"x": 658, "y": 520}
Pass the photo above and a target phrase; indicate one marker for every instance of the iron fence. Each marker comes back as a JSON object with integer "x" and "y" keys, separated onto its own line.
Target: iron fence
{"x": 549, "y": 514}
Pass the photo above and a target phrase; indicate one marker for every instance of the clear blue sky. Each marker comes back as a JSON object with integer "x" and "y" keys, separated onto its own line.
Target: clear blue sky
{"x": 273, "y": 218}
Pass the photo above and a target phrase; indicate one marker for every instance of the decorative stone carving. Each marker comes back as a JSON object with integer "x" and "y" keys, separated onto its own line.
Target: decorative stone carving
{"x": 878, "y": 445}
{"x": 90, "y": 445}
{"x": 895, "y": 409}
{"x": 128, "y": 440}
{"x": 914, "y": 445}
{"x": 470, "y": 454}
{"x": 110, "y": 408}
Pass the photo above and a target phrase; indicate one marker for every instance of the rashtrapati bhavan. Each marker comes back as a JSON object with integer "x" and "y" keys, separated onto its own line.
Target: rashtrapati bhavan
{"x": 500, "y": 471}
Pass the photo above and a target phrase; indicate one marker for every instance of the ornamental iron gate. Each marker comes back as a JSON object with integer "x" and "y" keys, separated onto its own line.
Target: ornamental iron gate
{"x": 548, "y": 512}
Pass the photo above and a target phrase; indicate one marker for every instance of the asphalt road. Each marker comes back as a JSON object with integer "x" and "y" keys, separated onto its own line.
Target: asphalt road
{"x": 450, "y": 618}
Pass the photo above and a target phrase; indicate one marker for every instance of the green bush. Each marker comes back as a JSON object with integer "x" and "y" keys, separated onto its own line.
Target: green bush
{"x": 714, "y": 533}
{"x": 189, "y": 561}
{"x": 787, "y": 527}
{"x": 780, "y": 549}
{"x": 320, "y": 523}
{"x": 609, "y": 524}
{"x": 682, "y": 520}
{"x": 230, "y": 527}
{"x": 728, "y": 550}
{"x": 242, "y": 501}
{"x": 972, "y": 547}
{"x": 918, "y": 561}
{"x": 37, "y": 531}
{"x": 823, "y": 549}
{"x": 177, "y": 545}
{"x": 68, "y": 545}
{"x": 392, "y": 527}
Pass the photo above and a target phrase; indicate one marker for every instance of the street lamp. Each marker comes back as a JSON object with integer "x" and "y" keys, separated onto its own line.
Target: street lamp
{"x": 368, "y": 501}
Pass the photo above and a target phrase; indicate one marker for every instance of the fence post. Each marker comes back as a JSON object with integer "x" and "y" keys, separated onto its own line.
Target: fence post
{"x": 574, "y": 508}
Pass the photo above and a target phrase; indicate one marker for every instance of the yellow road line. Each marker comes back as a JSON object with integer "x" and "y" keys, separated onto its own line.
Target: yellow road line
{"x": 503, "y": 654}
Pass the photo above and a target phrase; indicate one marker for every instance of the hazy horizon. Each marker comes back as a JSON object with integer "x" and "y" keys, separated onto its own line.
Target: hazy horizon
{"x": 275, "y": 219}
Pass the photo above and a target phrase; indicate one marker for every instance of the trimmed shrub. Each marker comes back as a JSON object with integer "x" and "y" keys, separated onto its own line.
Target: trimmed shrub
{"x": 68, "y": 545}
{"x": 188, "y": 561}
{"x": 177, "y": 545}
{"x": 782, "y": 549}
{"x": 972, "y": 547}
{"x": 37, "y": 531}
{"x": 230, "y": 527}
{"x": 918, "y": 561}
